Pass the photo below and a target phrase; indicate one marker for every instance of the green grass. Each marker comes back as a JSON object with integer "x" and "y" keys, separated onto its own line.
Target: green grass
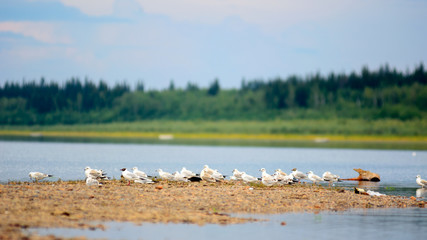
{"x": 335, "y": 133}
{"x": 298, "y": 127}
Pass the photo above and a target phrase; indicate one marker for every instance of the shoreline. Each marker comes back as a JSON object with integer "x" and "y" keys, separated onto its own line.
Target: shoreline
{"x": 72, "y": 204}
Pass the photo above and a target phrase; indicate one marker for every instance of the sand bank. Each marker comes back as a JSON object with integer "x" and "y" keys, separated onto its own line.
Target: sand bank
{"x": 73, "y": 204}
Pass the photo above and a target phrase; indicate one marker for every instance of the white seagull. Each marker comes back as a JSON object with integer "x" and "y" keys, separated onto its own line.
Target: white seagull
{"x": 139, "y": 172}
{"x": 217, "y": 175}
{"x": 266, "y": 178}
{"x": 237, "y": 175}
{"x": 165, "y": 175}
{"x": 207, "y": 169}
{"x": 233, "y": 178}
{"x": 421, "y": 182}
{"x": 210, "y": 173}
{"x": 92, "y": 182}
{"x": 207, "y": 176}
{"x": 187, "y": 173}
{"x": 329, "y": 177}
{"x": 248, "y": 178}
{"x": 298, "y": 175}
{"x": 94, "y": 173}
{"x": 36, "y": 176}
{"x": 130, "y": 176}
{"x": 313, "y": 177}
{"x": 179, "y": 177}
{"x": 282, "y": 177}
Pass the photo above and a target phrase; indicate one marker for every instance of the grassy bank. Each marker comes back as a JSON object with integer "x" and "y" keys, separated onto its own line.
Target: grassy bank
{"x": 344, "y": 127}
{"x": 243, "y": 132}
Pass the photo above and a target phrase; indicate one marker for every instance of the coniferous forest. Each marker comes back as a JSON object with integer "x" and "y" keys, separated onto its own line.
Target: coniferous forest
{"x": 369, "y": 94}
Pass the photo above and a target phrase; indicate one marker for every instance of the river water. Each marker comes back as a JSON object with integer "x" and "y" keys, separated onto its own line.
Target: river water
{"x": 397, "y": 168}
{"x": 390, "y": 224}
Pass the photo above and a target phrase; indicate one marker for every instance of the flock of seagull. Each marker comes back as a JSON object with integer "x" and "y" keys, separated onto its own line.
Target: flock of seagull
{"x": 207, "y": 174}
{"x": 211, "y": 175}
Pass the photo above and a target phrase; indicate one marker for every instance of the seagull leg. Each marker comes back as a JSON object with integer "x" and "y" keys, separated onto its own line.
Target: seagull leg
{"x": 129, "y": 183}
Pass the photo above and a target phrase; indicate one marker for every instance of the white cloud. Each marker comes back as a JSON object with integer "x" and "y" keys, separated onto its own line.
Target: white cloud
{"x": 92, "y": 7}
{"x": 40, "y": 31}
{"x": 266, "y": 13}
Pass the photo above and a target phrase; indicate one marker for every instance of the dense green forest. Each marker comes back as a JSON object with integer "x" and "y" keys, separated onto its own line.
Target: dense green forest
{"x": 370, "y": 94}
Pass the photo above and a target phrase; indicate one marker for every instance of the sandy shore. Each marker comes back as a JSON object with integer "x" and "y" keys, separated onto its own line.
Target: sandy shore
{"x": 73, "y": 204}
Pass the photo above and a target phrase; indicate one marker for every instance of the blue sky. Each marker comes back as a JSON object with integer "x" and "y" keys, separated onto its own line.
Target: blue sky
{"x": 200, "y": 40}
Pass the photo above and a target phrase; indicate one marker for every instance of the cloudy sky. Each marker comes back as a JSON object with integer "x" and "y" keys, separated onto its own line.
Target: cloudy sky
{"x": 200, "y": 40}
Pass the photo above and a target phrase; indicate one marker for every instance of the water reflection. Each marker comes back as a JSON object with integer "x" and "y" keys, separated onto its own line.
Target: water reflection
{"x": 349, "y": 225}
{"x": 421, "y": 193}
{"x": 369, "y": 185}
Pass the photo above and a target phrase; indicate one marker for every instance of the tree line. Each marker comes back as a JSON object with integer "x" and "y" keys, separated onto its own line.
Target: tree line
{"x": 369, "y": 94}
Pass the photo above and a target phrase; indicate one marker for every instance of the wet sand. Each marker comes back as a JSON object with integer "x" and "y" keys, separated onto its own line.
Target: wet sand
{"x": 75, "y": 205}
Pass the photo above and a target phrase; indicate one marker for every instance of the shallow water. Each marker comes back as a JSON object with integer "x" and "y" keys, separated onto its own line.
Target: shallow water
{"x": 66, "y": 161}
{"x": 354, "y": 224}
{"x": 397, "y": 169}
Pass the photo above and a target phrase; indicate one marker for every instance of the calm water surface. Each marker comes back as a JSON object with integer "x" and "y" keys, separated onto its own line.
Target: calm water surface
{"x": 397, "y": 168}
{"x": 351, "y": 225}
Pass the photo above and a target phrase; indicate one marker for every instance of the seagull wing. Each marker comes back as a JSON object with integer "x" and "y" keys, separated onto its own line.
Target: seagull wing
{"x": 248, "y": 178}
{"x": 140, "y": 173}
{"x": 208, "y": 177}
{"x": 317, "y": 178}
{"x": 94, "y": 173}
{"x": 166, "y": 176}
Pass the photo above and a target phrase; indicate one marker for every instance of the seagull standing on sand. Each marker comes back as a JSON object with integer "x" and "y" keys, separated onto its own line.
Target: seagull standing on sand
{"x": 298, "y": 175}
{"x": 205, "y": 175}
{"x": 187, "y": 173}
{"x": 313, "y": 177}
{"x": 207, "y": 169}
{"x": 179, "y": 177}
{"x": 282, "y": 177}
{"x": 190, "y": 176}
{"x": 208, "y": 173}
{"x": 248, "y": 178}
{"x": 218, "y": 176}
{"x": 94, "y": 173}
{"x": 331, "y": 178}
{"x": 165, "y": 175}
{"x": 92, "y": 182}
{"x": 237, "y": 175}
{"x": 132, "y": 176}
{"x": 421, "y": 182}
{"x": 266, "y": 178}
{"x": 36, "y": 176}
